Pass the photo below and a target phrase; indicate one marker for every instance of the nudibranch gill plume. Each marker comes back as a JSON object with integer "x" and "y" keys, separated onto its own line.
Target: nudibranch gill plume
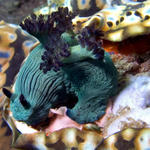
{"x": 80, "y": 77}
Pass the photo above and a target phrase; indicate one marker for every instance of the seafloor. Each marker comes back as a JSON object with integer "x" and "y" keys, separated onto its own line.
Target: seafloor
{"x": 13, "y": 11}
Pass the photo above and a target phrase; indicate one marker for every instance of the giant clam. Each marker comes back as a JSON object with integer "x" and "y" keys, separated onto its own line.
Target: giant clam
{"x": 131, "y": 24}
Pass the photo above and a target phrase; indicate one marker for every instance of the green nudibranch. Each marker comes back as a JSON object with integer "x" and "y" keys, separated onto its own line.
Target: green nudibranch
{"x": 87, "y": 83}
{"x": 82, "y": 78}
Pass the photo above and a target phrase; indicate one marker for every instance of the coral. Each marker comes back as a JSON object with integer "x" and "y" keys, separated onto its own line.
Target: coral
{"x": 132, "y": 64}
{"x": 118, "y": 20}
{"x": 125, "y": 24}
{"x": 135, "y": 95}
{"x": 130, "y": 106}
{"x": 127, "y": 139}
{"x": 71, "y": 137}
{"x": 87, "y": 8}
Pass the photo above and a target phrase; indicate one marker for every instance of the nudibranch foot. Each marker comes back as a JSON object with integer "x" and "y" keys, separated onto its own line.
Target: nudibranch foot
{"x": 80, "y": 83}
{"x": 94, "y": 82}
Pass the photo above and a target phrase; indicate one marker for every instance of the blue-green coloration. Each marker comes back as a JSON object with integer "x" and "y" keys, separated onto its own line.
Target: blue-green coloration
{"x": 62, "y": 72}
{"x": 83, "y": 81}
{"x": 41, "y": 91}
{"x": 93, "y": 82}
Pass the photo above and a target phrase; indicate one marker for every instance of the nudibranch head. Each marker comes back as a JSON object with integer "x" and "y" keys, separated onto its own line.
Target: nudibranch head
{"x": 85, "y": 81}
{"x": 49, "y": 30}
{"x": 53, "y": 28}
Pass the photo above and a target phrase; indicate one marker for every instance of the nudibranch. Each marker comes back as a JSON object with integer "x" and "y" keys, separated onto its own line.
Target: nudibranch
{"x": 80, "y": 77}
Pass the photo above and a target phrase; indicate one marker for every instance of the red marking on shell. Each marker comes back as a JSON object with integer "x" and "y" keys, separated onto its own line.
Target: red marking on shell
{"x": 139, "y": 45}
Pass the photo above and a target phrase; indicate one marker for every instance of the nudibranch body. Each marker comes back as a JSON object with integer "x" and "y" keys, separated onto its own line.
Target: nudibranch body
{"x": 90, "y": 83}
{"x": 71, "y": 75}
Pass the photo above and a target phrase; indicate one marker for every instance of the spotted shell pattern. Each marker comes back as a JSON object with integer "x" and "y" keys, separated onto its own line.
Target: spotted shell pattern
{"x": 118, "y": 21}
{"x": 72, "y": 138}
{"x": 14, "y": 42}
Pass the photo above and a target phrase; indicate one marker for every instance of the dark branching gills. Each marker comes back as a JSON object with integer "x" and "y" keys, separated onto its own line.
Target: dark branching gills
{"x": 49, "y": 30}
{"x": 88, "y": 38}
{"x": 63, "y": 70}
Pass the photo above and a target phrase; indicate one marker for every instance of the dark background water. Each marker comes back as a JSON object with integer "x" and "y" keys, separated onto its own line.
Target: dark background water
{"x": 13, "y": 11}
